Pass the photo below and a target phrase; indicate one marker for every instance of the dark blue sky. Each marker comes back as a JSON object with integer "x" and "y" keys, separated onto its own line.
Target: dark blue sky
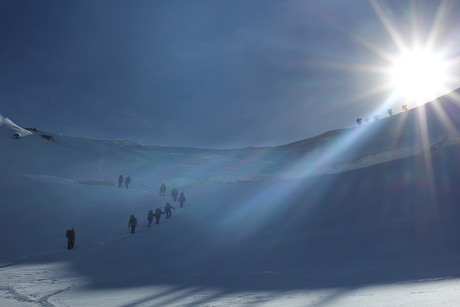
{"x": 204, "y": 73}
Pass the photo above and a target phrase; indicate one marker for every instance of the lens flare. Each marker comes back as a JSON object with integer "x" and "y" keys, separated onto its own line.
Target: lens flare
{"x": 419, "y": 76}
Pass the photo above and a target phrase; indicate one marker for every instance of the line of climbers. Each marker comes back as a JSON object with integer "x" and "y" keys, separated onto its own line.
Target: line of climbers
{"x": 174, "y": 195}
{"x": 132, "y": 223}
{"x": 359, "y": 121}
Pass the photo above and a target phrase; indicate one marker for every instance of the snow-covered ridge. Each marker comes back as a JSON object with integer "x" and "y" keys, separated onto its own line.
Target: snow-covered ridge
{"x": 7, "y": 126}
{"x": 233, "y": 243}
{"x": 406, "y": 134}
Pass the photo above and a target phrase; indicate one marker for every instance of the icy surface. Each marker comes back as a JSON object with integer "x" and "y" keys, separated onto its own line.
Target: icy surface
{"x": 359, "y": 217}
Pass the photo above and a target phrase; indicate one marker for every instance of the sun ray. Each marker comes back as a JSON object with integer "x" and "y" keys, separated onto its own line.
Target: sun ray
{"x": 427, "y": 158}
{"x": 415, "y": 25}
{"x": 436, "y": 27}
{"x": 388, "y": 25}
{"x": 443, "y": 115}
{"x": 371, "y": 92}
{"x": 419, "y": 49}
{"x": 419, "y": 75}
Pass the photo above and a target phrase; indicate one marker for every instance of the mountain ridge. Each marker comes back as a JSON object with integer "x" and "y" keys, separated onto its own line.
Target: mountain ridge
{"x": 413, "y": 132}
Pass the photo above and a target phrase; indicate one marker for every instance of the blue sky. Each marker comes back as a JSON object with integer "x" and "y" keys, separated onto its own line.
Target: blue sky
{"x": 215, "y": 74}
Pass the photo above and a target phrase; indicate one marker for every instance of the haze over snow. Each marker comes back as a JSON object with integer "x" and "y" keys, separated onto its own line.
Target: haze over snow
{"x": 364, "y": 216}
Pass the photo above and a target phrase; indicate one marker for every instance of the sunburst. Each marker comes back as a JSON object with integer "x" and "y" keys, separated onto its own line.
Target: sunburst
{"x": 418, "y": 76}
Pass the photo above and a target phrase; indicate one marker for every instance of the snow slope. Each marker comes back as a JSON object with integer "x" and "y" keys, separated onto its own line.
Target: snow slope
{"x": 366, "y": 216}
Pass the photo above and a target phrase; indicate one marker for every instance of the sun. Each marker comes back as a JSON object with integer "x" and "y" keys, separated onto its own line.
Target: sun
{"x": 418, "y": 76}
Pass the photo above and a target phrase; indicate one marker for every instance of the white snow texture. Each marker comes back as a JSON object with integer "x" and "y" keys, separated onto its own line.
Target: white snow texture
{"x": 367, "y": 216}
